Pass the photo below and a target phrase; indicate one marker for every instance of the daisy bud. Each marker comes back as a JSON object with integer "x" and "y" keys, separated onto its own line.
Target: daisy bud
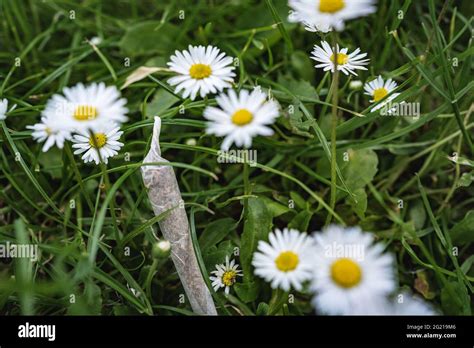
{"x": 355, "y": 85}
{"x": 191, "y": 142}
{"x": 161, "y": 250}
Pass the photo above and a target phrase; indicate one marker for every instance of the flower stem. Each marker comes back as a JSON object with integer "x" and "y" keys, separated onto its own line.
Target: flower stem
{"x": 277, "y": 301}
{"x": 107, "y": 185}
{"x": 149, "y": 278}
{"x": 335, "y": 101}
{"x": 245, "y": 175}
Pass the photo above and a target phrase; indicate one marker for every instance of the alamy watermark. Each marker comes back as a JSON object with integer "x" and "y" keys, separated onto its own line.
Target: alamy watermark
{"x": 238, "y": 156}
{"x": 400, "y": 109}
{"x": 28, "y": 251}
{"x": 352, "y": 251}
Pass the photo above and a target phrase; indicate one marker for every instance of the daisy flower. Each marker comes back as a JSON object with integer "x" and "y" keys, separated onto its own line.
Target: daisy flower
{"x": 86, "y": 107}
{"x": 325, "y": 15}
{"x": 378, "y": 90}
{"x": 4, "y": 109}
{"x": 104, "y": 140}
{"x": 408, "y": 304}
{"x": 201, "y": 69}
{"x": 241, "y": 117}
{"x": 351, "y": 272}
{"x": 225, "y": 275}
{"x": 49, "y": 130}
{"x": 346, "y": 63}
{"x": 286, "y": 261}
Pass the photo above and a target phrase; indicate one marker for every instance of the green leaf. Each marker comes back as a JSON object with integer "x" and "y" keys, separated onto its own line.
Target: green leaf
{"x": 275, "y": 208}
{"x": 90, "y": 303}
{"x": 361, "y": 168}
{"x": 247, "y": 292}
{"x": 455, "y": 305}
{"x": 300, "y": 202}
{"x": 122, "y": 310}
{"x": 257, "y": 226}
{"x": 302, "y": 64}
{"x": 462, "y": 160}
{"x": 359, "y": 203}
{"x": 82, "y": 269}
{"x": 463, "y": 231}
{"x": 301, "y": 221}
{"x": 466, "y": 265}
{"x": 215, "y": 232}
{"x": 298, "y": 124}
{"x": 358, "y": 167}
{"x": 217, "y": 255}
{"x": 51, "y": 162}
{"x": 466, "y": 179}
{"x": 149, "y": 37}
{"x": 299, "y": 88}
{"x": 161, "y": 102}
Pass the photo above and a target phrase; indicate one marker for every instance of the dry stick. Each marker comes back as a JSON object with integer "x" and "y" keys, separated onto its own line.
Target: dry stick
{"x": 164, "y": 195}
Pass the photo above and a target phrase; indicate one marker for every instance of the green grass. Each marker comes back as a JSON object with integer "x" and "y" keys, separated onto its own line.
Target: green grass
{"x": 399, "y": 182}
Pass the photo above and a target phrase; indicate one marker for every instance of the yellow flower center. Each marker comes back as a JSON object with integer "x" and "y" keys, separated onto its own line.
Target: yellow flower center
{"x": 100, "y": 140}
{"x": 379, "y": 94}
{"x": 341, "y": 58}
{"x": 200, "y": 71}
{"x": 287, "y": 261}
{"x": 242, "y": 117}
{"x": 346, "y": 273}
{"x": 85, "y": 113}
{"x": 48, "y": 131}
{"x": 331, "y": 6}
{"x": 228, "y": 278}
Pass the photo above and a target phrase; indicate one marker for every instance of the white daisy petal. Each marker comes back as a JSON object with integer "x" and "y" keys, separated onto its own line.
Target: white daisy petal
{"x": 86, "y": 107}
{"x": 351, "y": 273}
{"x": 286, "y": 260}
{"x": 225, "y": 275}
{"x": 50, "y": 130}
{"x": 104, "y": 143}
{"x": 346, "y": 63}
{"x": 201, "y": 70}
{"x": 326, "y": 15}
{"x": 381, "y": 93}
{"x": 241, "y": 117}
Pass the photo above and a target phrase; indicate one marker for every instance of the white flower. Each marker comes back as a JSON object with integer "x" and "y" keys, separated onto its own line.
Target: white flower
{"x": 4, "y": 109}
{"x": 225, "y": 275}
{"x": 325, "y": 15}
{"x": 241, "y": 117}
{"x": 355, "y": 84}
{"x": 351, "y": 272}
{"x": 86, "y": 107}
{"x": 96, "y": 41}
{"x": 404, "y": 303}
{"x": 51, "y": 131}
{"x": 346, "y": 63}
{"x": 104, "y": 140}
{"x": 201, "y": 69}
{"x": 286, "y": 261}
{"x": 408, "y": 304}
{"x": 378, "y": 90}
